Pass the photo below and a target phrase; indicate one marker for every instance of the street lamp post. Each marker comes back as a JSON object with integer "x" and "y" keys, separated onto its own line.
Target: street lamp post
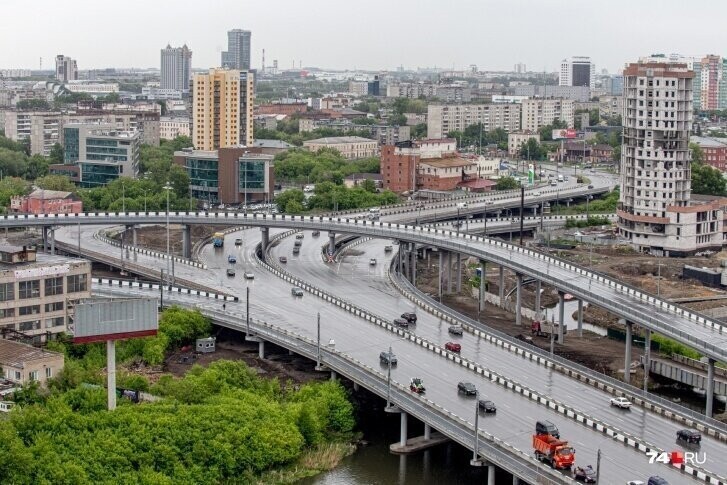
{"x": 123, "y": 197}
{"x": 146, "y": 191}
{"x": 476, "y": 452}
{"x": 388, "y": 380}
{"x": 168, "y": 187}
{"x": 588, "y": 197}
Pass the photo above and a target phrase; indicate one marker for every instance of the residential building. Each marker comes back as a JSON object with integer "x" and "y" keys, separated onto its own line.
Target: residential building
{"x": 399, "y": 161}
{"x": 508, "y": 98}
{"x": 66, "y": 69}
{"x": 358, "y": 88}
{"x": 384, "y": 134}
{"x": 22, "y": 363}
{"x": 11, "y": 73}
{"x": 413, "y": 119}
{"x": 271, "y": 147}
{"x": 541, "y": 112}
{"x": 453, "y": 93}
{"x": 281, "y": 108}
{"x": 610, "y": 106}
{"x": 38, "y": 291}
{"x": 350, "y": 147}
{"x": 711, "y": 78}
{"x": 445, "y": 173}
{"x": 337, "y": 102}
{"x": 222, "y": 109}
{"x": 578, "y": 151}
{"x": 176, "y": 68}
{"x": 613, "y": 85}
{"x": 715, "y": 151}
{"x": 577, "y": 71}
{"x": 100, "y": 152}
{"x": 356, "y": 179}
{"x": 657, "y": 212}
{"x": 91, "y": 87}
{"x": 154, "y": 93}
{"x": 517, "y": 139}
{"x": 449, "y": 93}
{"x": 445, "y": 118}
{"x": 237, "y": 55}
{"x": 229, "y": 175}
{"x": 46, "y": 202}
{"x": 576, "y": 93}
{"x": 171, "y": 127}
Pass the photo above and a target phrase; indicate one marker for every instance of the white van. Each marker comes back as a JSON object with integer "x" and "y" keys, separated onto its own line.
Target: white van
{"x": 560, "y": 177}
{"x": 309, "y": 188}
{"x": 461, "y": 205}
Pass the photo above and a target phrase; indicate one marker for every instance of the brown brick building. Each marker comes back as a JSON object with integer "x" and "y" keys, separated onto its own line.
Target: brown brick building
{"x": 280, "y": 108}
{"x": 399, "y": 162}
{"x": 445, "y": 173}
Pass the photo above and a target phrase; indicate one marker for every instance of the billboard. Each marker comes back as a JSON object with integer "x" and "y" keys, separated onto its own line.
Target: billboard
{"x": 114, "y": 319}
{"x": 566, "y": 133}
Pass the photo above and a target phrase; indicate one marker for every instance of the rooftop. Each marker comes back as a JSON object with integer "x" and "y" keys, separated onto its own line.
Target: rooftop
{"x": 15, "y": 354}
{"x": 708, "y": 142}
{"x": 361, "y": 176}
{"x": 451, "y": 162}
{"x": 272, "y": 144}
{"x": 332, "y": 140}
{"x": 49, "y": 194}
{"x": 42, "y": 260}
{"x": 477, "y": 184}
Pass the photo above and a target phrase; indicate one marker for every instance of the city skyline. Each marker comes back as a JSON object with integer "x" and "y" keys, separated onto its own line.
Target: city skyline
{"x": 319, "y": 36}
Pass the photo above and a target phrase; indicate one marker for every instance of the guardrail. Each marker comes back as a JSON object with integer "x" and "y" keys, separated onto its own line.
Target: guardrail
{"x": 463, "y": 243}
{"x": 148, "y": 252}
{"x": 651, "y": 402}
{"x": 568, "y": 411}
{"x": 516, "y": 219}
{"x": 168, "y": 288}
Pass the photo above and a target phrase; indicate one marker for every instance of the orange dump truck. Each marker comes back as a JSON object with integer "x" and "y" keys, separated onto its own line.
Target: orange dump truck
{"x": 553, "y": 451}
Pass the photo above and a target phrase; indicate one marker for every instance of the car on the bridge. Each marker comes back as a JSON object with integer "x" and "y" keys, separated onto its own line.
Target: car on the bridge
{"x": 546, "y": 427}
{"x": 691, "y": 436}
{"x": 295, "y": 291}
{"x": 372, "y": 262}
{"x": 299, "y": 235}
{"x": 316, "y": 233}
{"x": 232, "y": 259}
{"x": 401, "y": 322}
{"x": 238, "y": 242}
{"x": 296, "y": 250}
{"x": 656, "y": 480}
{"x": 230, "y": 271}
{"x": 635, "y": 482}
{"x": 590, "y": 186}
{"x": 455, "y": 330}
{"x": 388, "y": 249}
{"x": 409, "y": 317}
{"x": 620, "y": 402}
{"x": 417, "y": 385}
{"x": 283, "y": 259}
{"x": 467, "y": 388}
{"x": 487, "y": 406}
{"x": 536, "y": 194}
{"x": 453, "y": 347}
{"x": 585, "y": 474}
{"x": 297, "y": 243}
{"x": 386, "y": 357}
{"x": 249, "y": 275}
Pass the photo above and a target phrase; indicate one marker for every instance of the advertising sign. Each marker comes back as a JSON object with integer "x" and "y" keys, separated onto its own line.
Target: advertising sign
{"x": 531, "y": 174}
{"x": 114, "y": 319}
{"x": 565, "y": 133}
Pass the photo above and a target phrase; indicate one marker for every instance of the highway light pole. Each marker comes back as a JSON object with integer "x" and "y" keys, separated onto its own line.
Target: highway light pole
{"x": 318, "y": 356}
{"x": 247, "y": 311}
{"x": 388, "y": 379}
{"x": 123, "y": 197}
{"x": 168, "y": 187}
{"x": 522, "y": 211}
{"x": 598, "y": 465}
{"x": 476, "y": 453}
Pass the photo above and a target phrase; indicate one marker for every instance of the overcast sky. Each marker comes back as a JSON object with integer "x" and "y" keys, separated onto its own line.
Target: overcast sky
{"x": 364, "y": 34}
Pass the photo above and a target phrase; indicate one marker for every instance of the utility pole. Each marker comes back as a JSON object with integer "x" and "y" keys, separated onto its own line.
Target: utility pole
{"x": 476, "y": 452}
{"x": 247, "y": 311}
{"x": 388, "y": 380}
{"x": 522, "y": 211}
{"x": 161, "y": 289}
{"x": 318, "y": 358}
{"x": 598, "y": 465}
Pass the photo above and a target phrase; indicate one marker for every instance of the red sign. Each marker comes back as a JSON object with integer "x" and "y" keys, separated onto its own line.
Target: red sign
{"x": 566, "y": 133}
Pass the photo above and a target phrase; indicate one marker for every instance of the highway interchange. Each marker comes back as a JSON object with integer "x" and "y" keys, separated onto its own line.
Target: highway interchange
{"x": 354, "y": 279}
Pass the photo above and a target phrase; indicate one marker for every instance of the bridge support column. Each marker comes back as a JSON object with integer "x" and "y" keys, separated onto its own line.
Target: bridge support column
{"x": 52, "y": 240}
{"x": 449, "y": 272}
{"x": 427, "y": 431}
{"x": 647, "y": 358}
{"x": 580, "y": 318}
{"x": 355, "y": 387}
{"x": 502, "y": 286}
{"x": 403, "y": 428}
{"x": 401, "y": 260}
{"x": 627, "y": 357}
{"x": 44, "y": 232}
{"x": 483, "y": 285}
{"x": 459, "y": 272}
{"x": 518, "y": 300}
{"x": 261, "y": 349}
{"x": 265, "y": 241}
{"x": 186, "y": 241}
{"x": 491, "y": 474}
{"x": 441, "y": 273}
{"x": 710, "y": 387}
{"x": 413, "y": 264}
{"x": 133, "y": 235}
{"x": 561, "y": 316}
{"x": 538, "y": 284}
{"x": 333, "y": 376}
{"x": 331, "y": 243}
{"x": 515, "y": 480}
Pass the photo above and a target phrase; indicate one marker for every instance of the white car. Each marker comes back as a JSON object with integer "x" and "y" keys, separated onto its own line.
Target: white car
{"x": 536, "y": 194}
{"x": 249, "y": 275}
{"x": 372, "y": 261}
{"x": 635, "y": 482}
{"x": 621, "y": 402}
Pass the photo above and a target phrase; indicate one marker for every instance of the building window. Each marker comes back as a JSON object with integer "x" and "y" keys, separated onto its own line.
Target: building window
{"x": 29, "y": 310}
{"x": 18, "y": 376}
{"x": 29, "y": 289}
{"x": 33, "y": 375}
{"x": 54, "y": 286}
{"x": 48, "y": 372}
{"x": 55, "y": 322}
{"x": 7, "y": 291}
{"x": 7, "y": 312}
{"x": 54, "y": 307}
{"x": 28, "y": 326}
{"x": 77, "y": 283}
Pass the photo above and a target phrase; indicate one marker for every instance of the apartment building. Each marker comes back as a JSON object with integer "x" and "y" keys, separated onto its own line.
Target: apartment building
{"x": 577, "y": 71}
{"x": 715, "y": 151}
{"x": 229, "y": 175}
{"x": 176, "y": 68}
{"x": 22, "y": 363}
{"x": 576, "y": 93}
{"x": 517, "y": 139}
{"x": 610, "y": 106}
{"x": 350, "y": 147}
{"x": 399, "y": 161}
{"x": 445, "y": 118}
{"x": 448, "y": 93}
{"x": 237, "y": 55}
{"x": 66, "y": 69}
{"x": 541, "y": 112}
{"x": 657, "y": 212}
{"x": 222, "y": 109}
{"x": 171, "y": 127}
{"x": 38, "y": 291}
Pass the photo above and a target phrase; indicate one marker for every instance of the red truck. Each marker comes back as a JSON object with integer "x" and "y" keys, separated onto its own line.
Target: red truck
{"x": 553, "y": 451}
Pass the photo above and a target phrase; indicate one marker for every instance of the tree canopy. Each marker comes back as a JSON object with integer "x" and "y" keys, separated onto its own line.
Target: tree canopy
{"x": 325, "y": 165}
{"x": 471, "y": 136}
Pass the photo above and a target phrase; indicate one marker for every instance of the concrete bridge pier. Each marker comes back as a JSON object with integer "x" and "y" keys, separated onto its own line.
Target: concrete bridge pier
{"x": 441, "y": 273}
{"x": 265, "y": 241}
{"x": 710, "y": 387}
{"x": 518, "y": 300}
{"x": 627, "y": 356}
{"x": 483, "y": 285}
{"x": 538, "y": 285}
{"x": 580, "y": 318}
{"x": 449, "y": 272}
{"x": 44, "y": 232}
{"x": 561, "y": 316}
{"x": 502, "y": 286}
{"x": 134, "y": 235}
{"x": 334, "y": 376}
{"x": 186, "y": 241}
{"x": 356, "y": 387}
{"x": 260, "y": 344}
{"x": 407, "y": 446}
{"x": 413, "y": 263}
{"x": 331, "y": 242}
{"x": 401, "y": 260}
{"x": 647, "y": 358}
{"x": 52, "y": 240}
{"x": 459, "y": 273}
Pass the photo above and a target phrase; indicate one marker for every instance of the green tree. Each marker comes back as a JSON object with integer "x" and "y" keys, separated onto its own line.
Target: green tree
{"x": 56, "y": 153}
{"x": 507, "y": 183}
{"x": 27, "y": 104}
{"x": 707, "y": 180}
{"x": 37, "y": 167}
{"x": 12, "y": 163}
{"x": 11, "y": 186}
{"x": 56, "y": 182}
{"x": 368, "y": 185}
{"x": 532, "y": 150}
{"x": 419, "y": 131}
{"x": 697, "y": 153}
{"x": 290, "y": 196}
